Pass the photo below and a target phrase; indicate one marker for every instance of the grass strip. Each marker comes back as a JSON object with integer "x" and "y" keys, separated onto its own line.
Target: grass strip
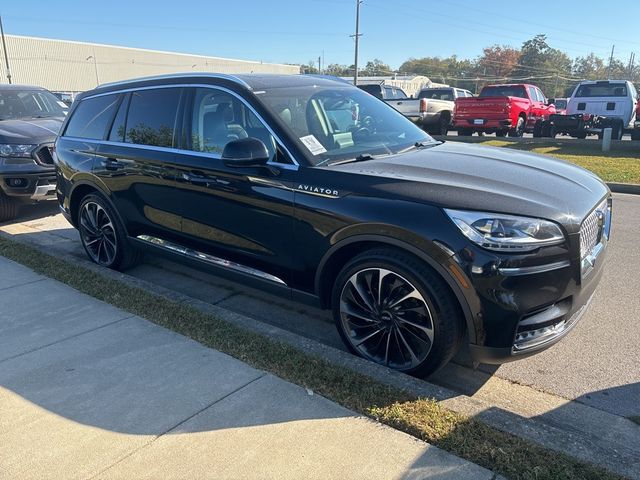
{"x": 618, "y": 166}
{"x": 501, "y": 452}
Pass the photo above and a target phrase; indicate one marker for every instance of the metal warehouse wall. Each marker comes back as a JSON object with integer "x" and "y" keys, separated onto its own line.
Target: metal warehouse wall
{"x": 65, "y": 66}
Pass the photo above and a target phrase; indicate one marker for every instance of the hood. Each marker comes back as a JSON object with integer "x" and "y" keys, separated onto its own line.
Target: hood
{"x": 473, "y": 177}
{"x": 30, "y": 130}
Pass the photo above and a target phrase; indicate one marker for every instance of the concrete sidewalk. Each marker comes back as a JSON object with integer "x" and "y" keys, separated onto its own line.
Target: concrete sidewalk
{"x": 90, "y": 391}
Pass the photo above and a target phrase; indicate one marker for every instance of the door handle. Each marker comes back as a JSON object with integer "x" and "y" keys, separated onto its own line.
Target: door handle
{"x": 113, "y": 164}
{"x": 197, "y": 178}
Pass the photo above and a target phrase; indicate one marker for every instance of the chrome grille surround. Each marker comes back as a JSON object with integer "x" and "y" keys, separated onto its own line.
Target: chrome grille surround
{"x": 594, "y": 234}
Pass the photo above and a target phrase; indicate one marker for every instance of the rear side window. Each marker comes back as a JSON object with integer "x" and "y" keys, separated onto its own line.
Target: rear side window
{"x": 152, "y": 117}
{"x": 92, "y": 117}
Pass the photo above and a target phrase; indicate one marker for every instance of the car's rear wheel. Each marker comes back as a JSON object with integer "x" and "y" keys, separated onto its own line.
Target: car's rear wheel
{"x": 443, "y": 124}
{"x": 8, "y": 208}
{"x": 392, "y": 309}
{"x": 501, "y": 133}
{"x": 103, "y": 236}
{"x": 518, "y": 130}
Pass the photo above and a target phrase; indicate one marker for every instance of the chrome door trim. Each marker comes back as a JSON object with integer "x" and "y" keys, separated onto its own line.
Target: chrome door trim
{"x": 210, "y": 259}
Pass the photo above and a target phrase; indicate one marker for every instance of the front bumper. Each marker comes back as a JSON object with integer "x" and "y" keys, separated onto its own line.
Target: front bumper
{"x": 29, "y": 186}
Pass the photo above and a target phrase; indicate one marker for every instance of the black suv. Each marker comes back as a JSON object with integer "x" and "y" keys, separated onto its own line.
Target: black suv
{"x": 30, "y": 118}
{"x": 314, "y": 189}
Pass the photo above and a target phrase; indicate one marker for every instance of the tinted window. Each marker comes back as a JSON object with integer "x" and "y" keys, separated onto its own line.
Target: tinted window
{"x": 117, "y": 130}
{"x": 437, "y": 94}
{"x": 375, "y": 90}
{"x": 152, "y": 117}
{"x": 219, "y": 118}
{"x": 561, "y": 103}
{"x": 504, "y": 91}
{"x": 92, "y": 117}
{"x": 602, "y": 90}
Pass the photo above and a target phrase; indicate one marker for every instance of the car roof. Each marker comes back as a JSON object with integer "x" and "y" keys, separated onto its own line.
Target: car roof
{"x": 13, "y": 87}
{"x": 248, "y": 81}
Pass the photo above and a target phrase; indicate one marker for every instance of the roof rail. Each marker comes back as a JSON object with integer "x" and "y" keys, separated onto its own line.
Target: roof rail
{"x": 222, "y": 76}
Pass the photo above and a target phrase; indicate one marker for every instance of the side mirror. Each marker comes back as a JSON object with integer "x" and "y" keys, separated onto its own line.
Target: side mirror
{"x": 245, "y": 152}
{"x": 551, "y": 101}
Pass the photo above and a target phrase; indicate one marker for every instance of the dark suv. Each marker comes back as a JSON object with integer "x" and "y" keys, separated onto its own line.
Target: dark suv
{"x": 316, "y": 190}
{"x": 30, "y": 118}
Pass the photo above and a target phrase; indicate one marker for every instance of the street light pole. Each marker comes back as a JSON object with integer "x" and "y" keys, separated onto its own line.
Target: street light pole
{"x": 4, "y": 47}
{"x": 357, "y": 37}
{"x": 95, "y": 67}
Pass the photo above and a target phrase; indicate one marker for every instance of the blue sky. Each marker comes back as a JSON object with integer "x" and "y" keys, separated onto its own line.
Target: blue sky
{"x": 289, "y": 31}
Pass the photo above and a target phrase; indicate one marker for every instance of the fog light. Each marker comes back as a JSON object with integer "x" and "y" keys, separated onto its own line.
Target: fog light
{"x": 17, "y": 182}
{"x": 532, "y": 338}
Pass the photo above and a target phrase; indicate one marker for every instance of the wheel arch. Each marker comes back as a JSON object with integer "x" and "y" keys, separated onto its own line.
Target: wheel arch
{"x": 80, "y": 190}
{"x": 340, "y": 253}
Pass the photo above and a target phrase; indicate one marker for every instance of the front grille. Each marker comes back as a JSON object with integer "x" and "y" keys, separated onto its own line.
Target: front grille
{"x": 44, "y": 155}
{"x": 591, "y": 229}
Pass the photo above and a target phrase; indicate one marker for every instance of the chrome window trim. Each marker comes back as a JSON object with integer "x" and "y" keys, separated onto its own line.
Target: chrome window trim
{"x": 534, "y": 269}
{"x": 286, "y": 166}
{"x": 210, "y": 259}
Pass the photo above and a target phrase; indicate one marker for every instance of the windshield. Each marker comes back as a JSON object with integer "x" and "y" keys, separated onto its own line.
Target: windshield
{"x": 16, "y": 104}
{"x": 504, "y": 91}
{"x": 602, "y": 90}
{"x": 340, "y": 123}
{"x": 560, "y": 103}
{"x": 437, "y": 94}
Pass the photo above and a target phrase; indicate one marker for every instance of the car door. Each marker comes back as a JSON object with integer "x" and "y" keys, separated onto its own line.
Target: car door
{"x": 137, "y": 163}
{"x": 240, "y": 216}
{"x": 545, "y": 109}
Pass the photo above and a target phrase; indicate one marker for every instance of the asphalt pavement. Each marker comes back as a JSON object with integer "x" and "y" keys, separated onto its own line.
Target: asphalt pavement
{"x": 596, "y": 364}
{"x": 90, "y": 391}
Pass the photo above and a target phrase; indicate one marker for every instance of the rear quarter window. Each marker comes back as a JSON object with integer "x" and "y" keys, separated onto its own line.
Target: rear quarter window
{"x": 152, "y": 117}
{"x": 92, "y": 117}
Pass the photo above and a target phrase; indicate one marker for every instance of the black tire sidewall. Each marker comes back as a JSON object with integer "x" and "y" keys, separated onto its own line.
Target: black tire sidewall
{"x": 122, "y": 243}
{"x": 441, "y": 348}
{"x": 8, "y": 208}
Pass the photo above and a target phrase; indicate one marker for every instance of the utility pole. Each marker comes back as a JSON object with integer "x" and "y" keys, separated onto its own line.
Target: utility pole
{"x": 357, "y": 37}
{"x": 610, "y": 62}
{"x": 320, "y": 65}
{"x": 4, "y": 47}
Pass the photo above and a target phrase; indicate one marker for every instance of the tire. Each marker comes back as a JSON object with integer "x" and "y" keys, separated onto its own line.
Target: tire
{"x": 8, "y": 208}
{"x": 465, "y": 132}
{"x": 501, "y": 133}
{"x": 443, "y": 124}
{"x": 103, "y": 236}
{"x": 518, "y": 131}
{"x": 539, "y": 128}
{"x": 581, "y": 135}
{"x": 617, "y": 130}
{"x": 635, "y": 134}
{"x": 418, "y": 338}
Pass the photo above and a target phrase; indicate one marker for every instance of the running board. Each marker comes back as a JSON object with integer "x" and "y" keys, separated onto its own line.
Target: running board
{"x": 210, "y": 259}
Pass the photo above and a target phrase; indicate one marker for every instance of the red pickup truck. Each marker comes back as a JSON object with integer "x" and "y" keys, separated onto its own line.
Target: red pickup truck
{"x": 513, "y": 109}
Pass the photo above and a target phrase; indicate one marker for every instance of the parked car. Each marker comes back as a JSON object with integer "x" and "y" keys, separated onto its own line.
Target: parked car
{"x": 436, "y": 108}
{"x": 561, "y": 105}
{"x": 30, "y": 118}
{"x": 504, "y": 109}
{"x": 594, "y": 106}
{"x": 395, "y": 97}
{"x": 315, "y": 190}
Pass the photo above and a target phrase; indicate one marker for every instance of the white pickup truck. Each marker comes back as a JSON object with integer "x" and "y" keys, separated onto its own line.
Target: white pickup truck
{"x": 432, "y": 110}
{"x": 594, "y": 106}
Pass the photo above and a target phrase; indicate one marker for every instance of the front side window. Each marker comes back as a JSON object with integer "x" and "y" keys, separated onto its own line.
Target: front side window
{"x": 152, "y": 117}
{"x": 219, "y": 117}
{"x": 92, "y": 117}
{"x": 16, "y": 104}
{"x": 334, "y": 123}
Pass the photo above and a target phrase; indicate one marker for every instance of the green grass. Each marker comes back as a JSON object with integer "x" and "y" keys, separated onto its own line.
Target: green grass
{"x": 619, "y": 166}
{"x": 501, "y": 452}
{"x": 635, "y": 419}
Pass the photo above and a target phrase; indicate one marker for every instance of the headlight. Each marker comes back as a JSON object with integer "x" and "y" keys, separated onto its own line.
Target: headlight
{"x": 15, "y": 150}
{"x": 495, "y": 231}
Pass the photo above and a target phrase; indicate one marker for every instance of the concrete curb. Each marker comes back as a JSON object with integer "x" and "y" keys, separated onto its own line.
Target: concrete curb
{"x": 616, "y": 452}
{"x": 631, "y": 188}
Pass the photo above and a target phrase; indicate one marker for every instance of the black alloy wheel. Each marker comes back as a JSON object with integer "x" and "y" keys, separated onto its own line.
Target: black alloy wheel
{"x": 393, "y": 310}
{"x": 102, "y": 235}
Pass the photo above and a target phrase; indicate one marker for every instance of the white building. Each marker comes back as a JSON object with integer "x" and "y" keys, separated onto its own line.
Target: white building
{"x": 65, "y": 66}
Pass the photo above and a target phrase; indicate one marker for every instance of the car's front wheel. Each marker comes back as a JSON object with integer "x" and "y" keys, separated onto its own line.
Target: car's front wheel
{"x": 103, "y": 236}
{"x": 392, "y": 309}
{"x": 8, "y": 208}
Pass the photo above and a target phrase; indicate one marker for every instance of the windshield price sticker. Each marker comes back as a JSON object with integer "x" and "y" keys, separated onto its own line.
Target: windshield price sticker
{"x": 312, "y": 143}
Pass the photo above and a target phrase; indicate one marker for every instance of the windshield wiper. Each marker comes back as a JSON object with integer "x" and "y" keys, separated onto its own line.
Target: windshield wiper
{"x": 419, "y": 145}
{"x": 363, "y": 157}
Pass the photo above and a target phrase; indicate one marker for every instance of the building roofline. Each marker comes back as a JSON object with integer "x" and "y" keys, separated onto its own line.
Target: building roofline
{"x": 253, "y": 62}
